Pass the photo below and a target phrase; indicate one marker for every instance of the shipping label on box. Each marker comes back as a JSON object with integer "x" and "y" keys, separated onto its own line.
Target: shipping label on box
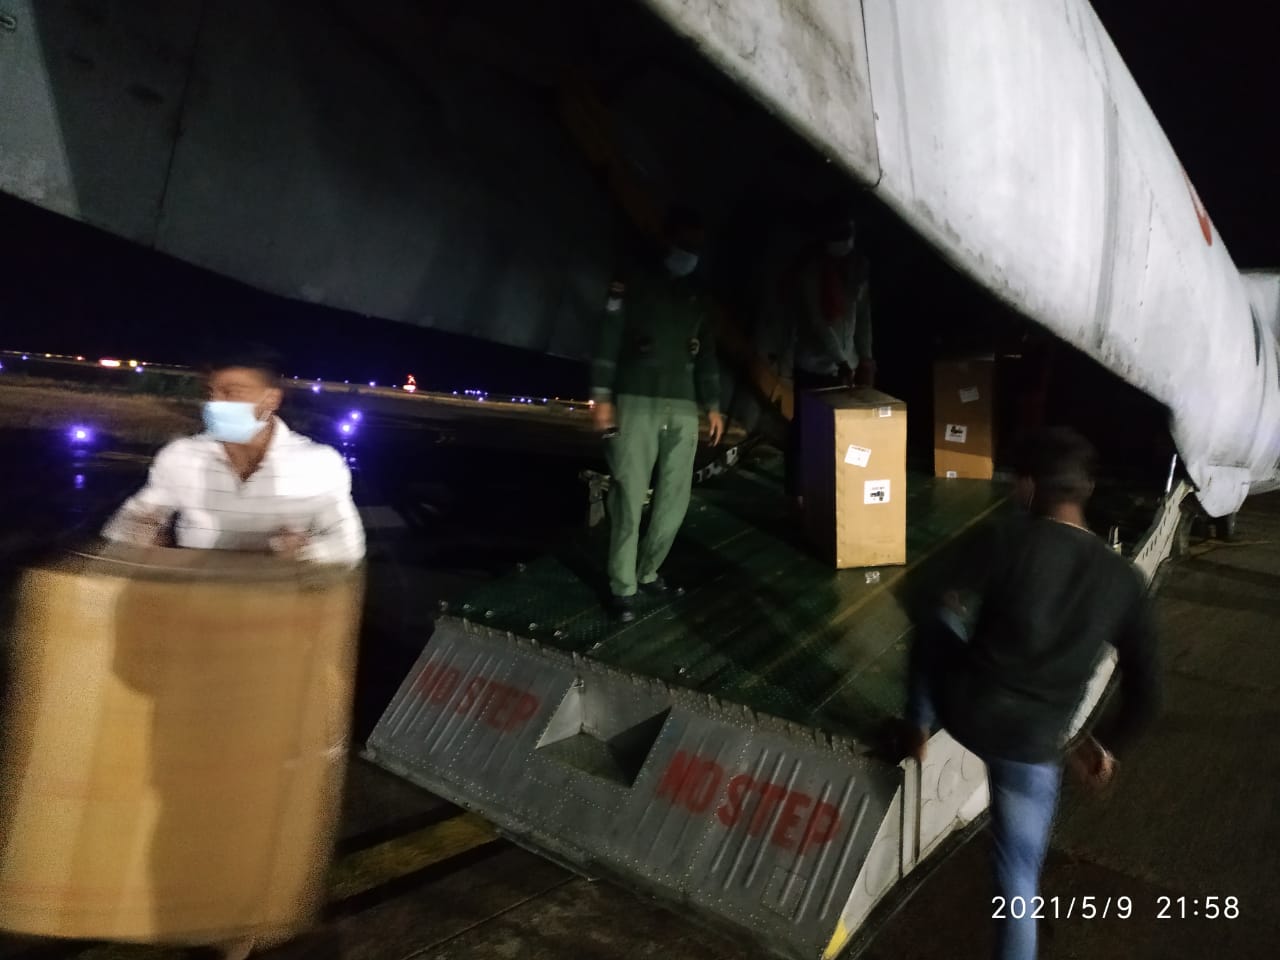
{"x": 857, "y": 456}
{"x": 875, "y": 491}
{"x": 955, "y": 433}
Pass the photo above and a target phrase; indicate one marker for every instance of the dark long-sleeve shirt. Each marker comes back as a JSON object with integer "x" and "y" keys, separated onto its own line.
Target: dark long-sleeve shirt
{"x": 1051, "y": 596}
{"x": 656, "y": 340}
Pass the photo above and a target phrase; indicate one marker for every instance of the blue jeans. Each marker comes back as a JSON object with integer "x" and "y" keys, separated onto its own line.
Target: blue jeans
{"x": 1024, "y": 798}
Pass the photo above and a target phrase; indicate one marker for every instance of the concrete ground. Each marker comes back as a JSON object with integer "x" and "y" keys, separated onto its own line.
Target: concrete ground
{"x": 1192, "y": 815}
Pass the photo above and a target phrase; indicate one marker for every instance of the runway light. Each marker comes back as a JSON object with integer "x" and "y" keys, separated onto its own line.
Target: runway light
{"x": 347, "y": 428}
{"x": 81, "y": 359}
{"x": 25, "y": 357}
{"x": 107, "y": 362}
{"x": 79, "y": 434}
{"x": 354, "y": 415}
{"x": 79, "y": 481}
{"x": 133, "y": 363}
{"x": 139, "y": 369}
{"x": 372, "y": 384}
{"x": 315, "y": 388}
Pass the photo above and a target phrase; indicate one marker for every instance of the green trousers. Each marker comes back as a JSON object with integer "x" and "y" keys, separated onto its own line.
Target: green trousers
{"x": 651, "y": 431}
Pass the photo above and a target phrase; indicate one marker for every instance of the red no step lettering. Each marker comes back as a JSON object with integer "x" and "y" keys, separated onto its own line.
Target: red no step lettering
{"x": 498, "y": 705}
{"x": 794, "y": 819}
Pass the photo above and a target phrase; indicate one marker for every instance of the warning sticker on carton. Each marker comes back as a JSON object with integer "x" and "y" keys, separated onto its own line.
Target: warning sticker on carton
{"x": 857, "y": 456}
{"x": 956, "y": 433}
{"x": 968, "y": 394}
{"x": 875, "y": 491}
{"x": 885, "y": 412}
{"x": 952, "y": 475}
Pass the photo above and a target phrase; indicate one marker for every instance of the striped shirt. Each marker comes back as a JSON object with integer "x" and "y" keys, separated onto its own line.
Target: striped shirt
{"x": 300, "y": 487}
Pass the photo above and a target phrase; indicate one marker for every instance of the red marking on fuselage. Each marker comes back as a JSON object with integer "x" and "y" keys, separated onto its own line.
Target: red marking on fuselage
{"x": 1206, "y": 225}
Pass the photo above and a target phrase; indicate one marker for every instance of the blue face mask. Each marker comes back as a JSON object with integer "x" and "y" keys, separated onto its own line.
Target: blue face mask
{"x": 681, "y": 263}
{"x": 230, "y": 421}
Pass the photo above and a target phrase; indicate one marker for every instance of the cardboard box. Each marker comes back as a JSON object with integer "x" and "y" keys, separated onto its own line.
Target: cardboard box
{"x": 854, "y": 476}
{"x": 964, "y": 434}
{"x": 175, "y": 744}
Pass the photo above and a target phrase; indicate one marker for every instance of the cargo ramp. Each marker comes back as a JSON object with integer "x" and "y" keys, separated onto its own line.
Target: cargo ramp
{"x": 725, "y": 752}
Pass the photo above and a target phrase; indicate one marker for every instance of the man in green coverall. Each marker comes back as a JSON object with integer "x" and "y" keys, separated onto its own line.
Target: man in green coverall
{"x": 653, "y": 368}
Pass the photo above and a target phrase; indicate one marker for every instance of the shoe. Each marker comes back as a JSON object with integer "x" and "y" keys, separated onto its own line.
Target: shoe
{"x": 622, "y": 608}
{"x": 661, "y": 588}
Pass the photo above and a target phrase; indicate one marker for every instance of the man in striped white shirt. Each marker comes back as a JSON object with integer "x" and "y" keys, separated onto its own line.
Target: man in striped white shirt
{"x": 248, "y": 482}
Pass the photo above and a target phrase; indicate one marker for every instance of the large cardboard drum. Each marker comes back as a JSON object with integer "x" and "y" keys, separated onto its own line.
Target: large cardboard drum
{"x": 174, "y": 744}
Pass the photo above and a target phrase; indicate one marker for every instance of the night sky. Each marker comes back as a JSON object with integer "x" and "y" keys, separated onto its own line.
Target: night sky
{"x": 1210, "y": 72}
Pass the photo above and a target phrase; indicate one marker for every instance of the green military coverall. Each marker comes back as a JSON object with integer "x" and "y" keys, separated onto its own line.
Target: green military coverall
{"x": 656, "y": 361}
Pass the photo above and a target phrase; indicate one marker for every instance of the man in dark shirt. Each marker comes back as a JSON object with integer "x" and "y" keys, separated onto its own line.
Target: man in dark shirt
{"x": 1005, "y": 670}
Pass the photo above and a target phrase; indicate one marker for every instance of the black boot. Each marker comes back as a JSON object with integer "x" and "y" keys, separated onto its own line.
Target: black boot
{"x": 622, "y": 608}
{"x": 660, "y": 588}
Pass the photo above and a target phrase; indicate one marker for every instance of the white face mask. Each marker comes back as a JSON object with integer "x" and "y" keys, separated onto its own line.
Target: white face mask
{"x": 840, "y": 248}
{"x": 231, "y": 421}
{"x": 681, "y": 263}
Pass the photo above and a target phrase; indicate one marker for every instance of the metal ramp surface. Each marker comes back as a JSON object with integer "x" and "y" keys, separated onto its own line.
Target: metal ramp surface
{"x": 761, "y": 621}
{"x": 720, "y": 751}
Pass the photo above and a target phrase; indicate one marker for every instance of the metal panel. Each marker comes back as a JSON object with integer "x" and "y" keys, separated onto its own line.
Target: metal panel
{"x": 1264, "y": 294}
{"x": 760, "y": 824}
{"x": 90, "y": 94}
{"x": 1012, "y": 136}
{"x": 806, "y": 59}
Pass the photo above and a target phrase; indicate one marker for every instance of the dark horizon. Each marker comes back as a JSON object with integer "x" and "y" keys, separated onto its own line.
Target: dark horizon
{"x": 76, "y": 289}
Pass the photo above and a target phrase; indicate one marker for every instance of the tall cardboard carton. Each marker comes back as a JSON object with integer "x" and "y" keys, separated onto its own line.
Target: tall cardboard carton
{"x": 175, "y": 744}
{"x": 964, "y": 436}
{"x": 854, "y": 476}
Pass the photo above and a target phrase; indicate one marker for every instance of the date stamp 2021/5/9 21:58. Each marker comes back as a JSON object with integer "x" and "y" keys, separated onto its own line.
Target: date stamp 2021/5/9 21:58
{"x": 1120, "y": 908}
